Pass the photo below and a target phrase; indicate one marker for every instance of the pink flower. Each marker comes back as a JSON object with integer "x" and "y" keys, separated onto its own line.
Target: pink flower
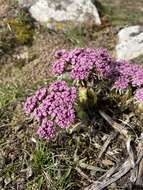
{"x": 46, "y": 131}
{"x": 139, "y": 94}
{"x": 121, "y": 83}
{"x": 54, "y": 104}
{"x": 82, "y": 61}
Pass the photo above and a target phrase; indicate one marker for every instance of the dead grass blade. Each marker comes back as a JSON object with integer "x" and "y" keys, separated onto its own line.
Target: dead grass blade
{"x": 83, "y": 174}
{"x": 124, "y": 132}
{"x": 99, "y": 185}
{"x": 119, "y": 128}
{"x": 116, "y": 173}
{"x": 106, "y": 144}
{"x": 139, "y": 180}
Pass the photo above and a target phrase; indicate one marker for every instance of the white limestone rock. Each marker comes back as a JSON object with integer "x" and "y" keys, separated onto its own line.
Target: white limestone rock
{"x": 26, "y": 3}
{"x": 130, "y": 44}
{"x": 47, "y": 11}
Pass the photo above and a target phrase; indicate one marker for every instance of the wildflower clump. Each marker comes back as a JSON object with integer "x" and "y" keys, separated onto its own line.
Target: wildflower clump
{"x": 81, "y": 63}
{"x": 91, "y": 63}
{"x": 88, "y": 68}
{"x": 52, "y": 107}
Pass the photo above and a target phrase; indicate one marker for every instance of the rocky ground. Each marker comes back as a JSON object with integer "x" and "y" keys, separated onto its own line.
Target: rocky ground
{"x": 26, "y": 53}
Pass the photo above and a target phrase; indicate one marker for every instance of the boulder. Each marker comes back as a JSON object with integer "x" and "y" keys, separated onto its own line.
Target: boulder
{"x": 27, "y": 3}
{"x": 62, "y": 11}
{"x": 130, "y": 44}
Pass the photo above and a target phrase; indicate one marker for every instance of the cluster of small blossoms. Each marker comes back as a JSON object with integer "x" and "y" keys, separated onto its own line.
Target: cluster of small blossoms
{"x": 129, "y": 75}
{"x": 121, "y": 83}
{"x": 81, "y": 63}
{"x": 62, "y": 99}
{"x": 104, "y": 63}
{"x": 52, "y": 106}
{"x": 46, "y": 131}
{"x": 33, "y": 101}
{"x": 139, "y": 94}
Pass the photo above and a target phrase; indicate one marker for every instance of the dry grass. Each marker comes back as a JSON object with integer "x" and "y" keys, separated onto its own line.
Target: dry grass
{"x": 4, "y": 7}
{"x": 122, "y": 12}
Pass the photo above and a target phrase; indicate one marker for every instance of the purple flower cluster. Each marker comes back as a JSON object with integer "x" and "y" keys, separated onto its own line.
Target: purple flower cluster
{"x": 46, "y": 131}
{"x": 129, "y": 75}
{"x": 61, "y": 101}
{"x": 34, "y": 100}
{"x": 137, "y": 75}
{"x": 59, "y": 67}
{"x": 104, "y": 63}
{"x": 139, "y": 94}
{"x": 52, "y": 106}
{"x": 131, "y": 72}
{"x": 121, "y": 83}
{"x": 81, "y": 63}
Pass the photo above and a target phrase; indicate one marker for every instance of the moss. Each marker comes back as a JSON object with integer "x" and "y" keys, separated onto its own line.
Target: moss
{"x": 22, "y": 29}
{"x": 16, "y": 31}
{"x": 22, "y": 33}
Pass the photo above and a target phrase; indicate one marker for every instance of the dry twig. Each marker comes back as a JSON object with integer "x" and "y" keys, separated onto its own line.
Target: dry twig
{"x": 115, "y": 173}
{"x": 123, "y": 131}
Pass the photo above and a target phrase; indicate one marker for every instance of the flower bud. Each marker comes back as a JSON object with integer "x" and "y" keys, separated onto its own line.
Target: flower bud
{"x": 139, "y": 107}
{"x": 82, "y": 94}
{"x": 92, "y": 96}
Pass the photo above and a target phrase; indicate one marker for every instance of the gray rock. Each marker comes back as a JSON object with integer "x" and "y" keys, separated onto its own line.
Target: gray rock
{"x": 130, "y": 43}
{"x": 27, "y": 3}
{"x": 60, "y": 11}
